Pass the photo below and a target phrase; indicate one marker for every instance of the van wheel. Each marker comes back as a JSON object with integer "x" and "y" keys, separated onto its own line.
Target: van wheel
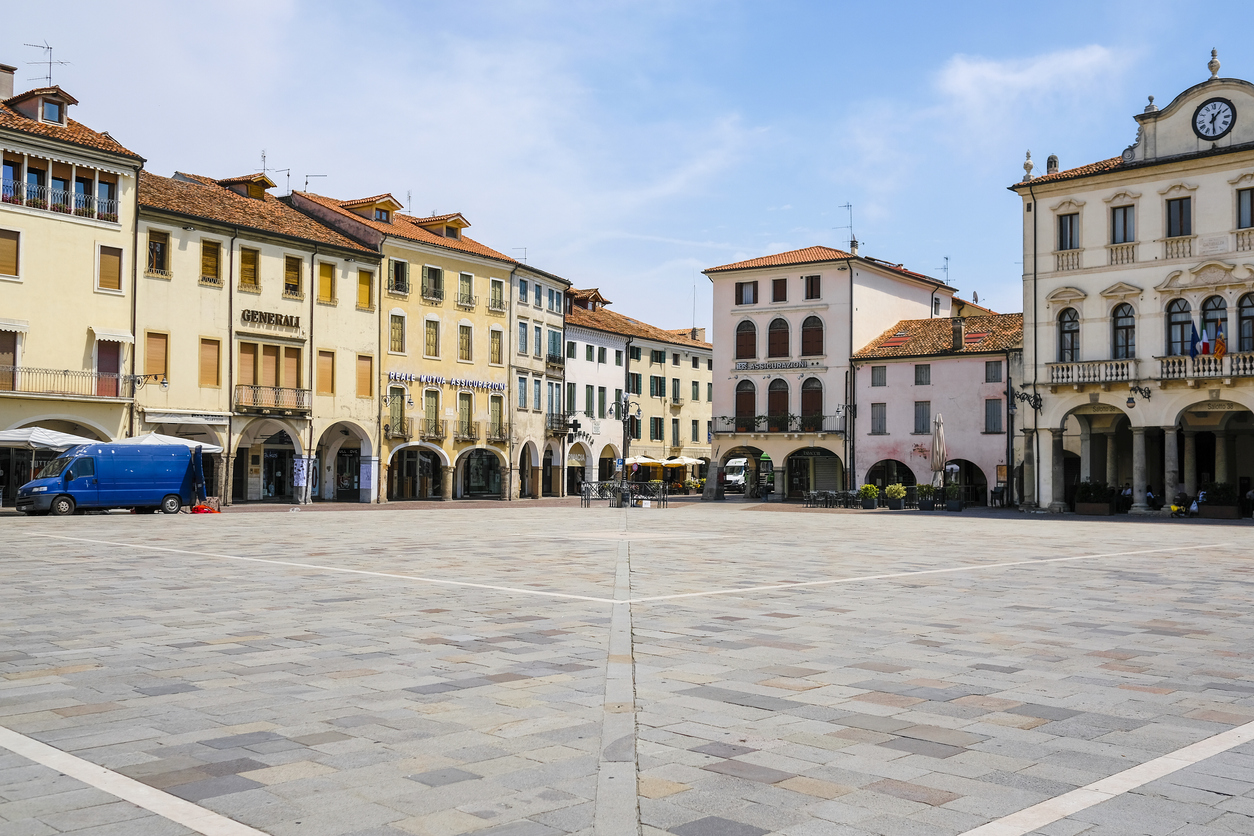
{"x": 171, "y": 504}
{"x": 62, "y": 506}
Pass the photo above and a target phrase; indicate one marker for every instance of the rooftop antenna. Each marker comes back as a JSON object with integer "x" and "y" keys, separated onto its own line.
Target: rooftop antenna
{"x": 945, "y": 269}
{"x": 852, "y": 238}
{"x": 267, "y": 171}
{"x": 48, "y": 52}
{"x": 307, "y": 176}
{"x": 516, "y": 249}
{"x": 409, "y": 197}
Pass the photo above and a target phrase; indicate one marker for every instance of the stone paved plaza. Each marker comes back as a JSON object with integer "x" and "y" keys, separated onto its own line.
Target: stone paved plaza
{"x": 467, "y": 670}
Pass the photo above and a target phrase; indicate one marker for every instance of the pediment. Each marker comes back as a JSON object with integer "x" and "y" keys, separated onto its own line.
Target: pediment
{"x": 1179, "y": 186}
{"x": 1246, "y": 178}
{"x": 1065, "y": 296}
{"x": 1122, "y": 194}
{"x": 1209, "y": 274}
{"x": 1121, "y": 290}
{"x": 1069, "y": 203}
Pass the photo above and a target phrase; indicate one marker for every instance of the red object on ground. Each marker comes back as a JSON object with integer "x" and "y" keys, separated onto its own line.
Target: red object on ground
{"x": 204, "y": 509}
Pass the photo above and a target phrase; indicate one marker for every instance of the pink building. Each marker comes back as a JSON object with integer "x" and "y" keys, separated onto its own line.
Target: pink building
{"x": 960, "y": 368}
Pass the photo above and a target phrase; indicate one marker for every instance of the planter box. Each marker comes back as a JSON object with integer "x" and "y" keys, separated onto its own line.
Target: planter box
{"x": 1218, "y": 512}
{"x": 927, "y": 505}
{"x": 896, "y": 504}
{"x": 870, "y": 504}
{"x": 1095, "y": 509}
{"x": 953, "y": 504}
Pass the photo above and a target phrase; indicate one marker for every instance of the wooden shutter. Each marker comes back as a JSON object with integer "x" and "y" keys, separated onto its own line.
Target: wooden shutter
{"x": 209, "y": 253}
{"x": 494, "y": 349}
{"x": 210, "y": 350}
{"x": 326, "y": 372}
{"x": 463, "y": 342}
{"x": 365, "y": 288}
{"x": 248, "y": 364}
{"x": 269, "y": 366}
{"x": 248, "y": 267}
{"x": 494, "y": 410}
{"x": 110, "y": 268}
{"x": 326, "y": 282}
{"x": 8, "y": 252}
{"x": 431, "y": 405}
{"x": 8, "y": 359}
{"x": 365, "y": 376}
{"x": 156, "y": 347}
{"x": 291, "y": 276}
{"x": 463, "y": 408}
{"x": 291, "y": 368}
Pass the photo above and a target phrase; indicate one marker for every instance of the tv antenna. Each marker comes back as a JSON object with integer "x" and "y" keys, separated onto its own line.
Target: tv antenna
{"x": 516, "y": 249}
{"x": 945, "y": 269}
{"x": 307, "y": 176}
{"x": 849, "y": 208}
{"x": 267, "y": 171}
{"x": 409, "y": 198}
{"x": 47, "y": 60}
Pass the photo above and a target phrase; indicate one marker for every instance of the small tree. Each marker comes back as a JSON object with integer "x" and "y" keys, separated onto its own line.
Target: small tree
{"x": 897, "y": 491}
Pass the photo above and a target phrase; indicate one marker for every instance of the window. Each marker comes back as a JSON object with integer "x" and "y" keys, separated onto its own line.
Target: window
{"x": 10, "y": 244}
{"x": 539, "y": 295}
{"x": 777, "y": 338}
{"x": 398, "y": 276}
{"x": 923, "y": 374}
{"x": 156, "y": 354}
{"x": 634, "y": 425}
{"x": 674, "y": 359}
{"x": 570, "y": 349}
{"x": 52, "y": 112}
{"x": 1179, "y": 217}
{"x": 992, "y": 371}
{"x": 935, "y": 307}
{"x": 655, "y": 430}
{"x": 696, "y": 430}
{"x": 522, "y": 291}
{"x": 496, "y": 352}
{"x": 674, "y": 388}
{"x": 1245, "y": 209}
{"x": 746, "y": 293}
{"x": 396, "y": 341}
{"x": 1214, "y": 317}
{"x": 1245, "y": 323}
{"x": 326, "y": 373}
{"x": 365, "y": 376}
{"x": 248, "y": 364}
{"x": 433, "y": 283}
{"x": 465, "y": 289}
{"x": 657, "y": 357}
{"x": 522, "y": 337}
{"x": 709, "y": 392}
{"x": 1069, "y": 231}
{"x": 248, "y": 260}
{"x": 879, "y": 375}
{"x": 210, "y": 262}
{"x": 922, "y": 416}
{"x": 588, "y": 353}
{"x": 813, "y": 287}
{"x": 555, "y": 344}
{"x": 746, "y": 341}
{"x": 570, "y": 397}
{"x": 1123, "y": 322}
{"x": 1068, "y": 336}
{"x": 879, "y": 419}
{"x": 587, "y": 400}
{"x": 432, "y": 332}
{"x": 535, "y": 394}
{"x": 635, "y": 353}
{"x": 696, "y": 363}
{"x": 552, "y": 299}
{"x": 657, "y": 386}
{"x": 158, "y": 252}
{"x": 777, "y": 405}
{"x": 210, "y": 362}
{"x": 291, "y": 276}
{"x": 1179, "y": 327}
{"x": 746, "y": 406}
{"x": 618, "y": 396}
{"x": 464, "y": 343}
{"x": 496, "y": 295}
{"x": 600, "y": 354}
{"x": 811, "y": 404}
{"x": 536, "y": 346}
{"x": 992, "y": 415}
{"x": 600, "y": 401}
{"x": 291, "y": 369}
{"x": 618, "y": 357}
{"x": 383, "y": 215}
{"x": 811, "y": 337}
{"x": 1122, "y": 224}
{"x": 779, "y": 290}
{"x": 522, "y": 393}
{"x": 110, "y": 274}
{"x": 709, "y": 364}
{"x": 634, "y": 382}
{"x": 696, "y": 391}
{"x": 326, "y": 282}
{"x": 365, "y": 290}
{"x": 674, "y": 432}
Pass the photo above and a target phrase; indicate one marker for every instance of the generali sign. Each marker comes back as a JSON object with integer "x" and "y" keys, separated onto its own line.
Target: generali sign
{"x": 270, "y": 318}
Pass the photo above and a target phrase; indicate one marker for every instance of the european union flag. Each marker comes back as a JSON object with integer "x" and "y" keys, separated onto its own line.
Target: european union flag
{"x": 1195, "y": 343}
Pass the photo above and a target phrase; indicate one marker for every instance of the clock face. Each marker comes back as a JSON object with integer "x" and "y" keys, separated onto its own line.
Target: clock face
{"x": 1214, "y": 118}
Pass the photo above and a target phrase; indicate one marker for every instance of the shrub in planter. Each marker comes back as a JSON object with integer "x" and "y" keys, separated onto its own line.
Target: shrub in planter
{"x": 896, "y": 495}
{"x": 869, "y": 494}
{"x": 952, "y": 502}
{"x": 1095, "y": 499}
{"x": 927, "y": 494}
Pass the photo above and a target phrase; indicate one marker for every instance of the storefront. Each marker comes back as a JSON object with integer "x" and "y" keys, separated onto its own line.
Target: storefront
{"x": 415, "y": 474}
{"x": 481, "y": 475}
{"x": 813, "y": 469}
{"x": 268, "y": 466}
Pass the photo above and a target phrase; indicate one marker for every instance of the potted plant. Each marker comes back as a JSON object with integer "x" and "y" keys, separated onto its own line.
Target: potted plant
{"x": 869, "y": 494}
{"x": 896, "y": 497}
{"x": 1095, "y": 499}
{"x": 952, "y": 501}
{"x": 926, "y": 497}
{"x": 1220, "y": 502}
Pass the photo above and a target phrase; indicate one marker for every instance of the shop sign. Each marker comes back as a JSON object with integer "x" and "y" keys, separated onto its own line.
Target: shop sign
{"x": 270, "y": 318}
{"x": 775, "y": 364}
{"x": 440, "y": 380}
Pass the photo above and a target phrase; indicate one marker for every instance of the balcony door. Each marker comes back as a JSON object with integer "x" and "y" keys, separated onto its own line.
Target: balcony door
{"x": 396, "y": 408}
{"x": 463, "y": 412}
{"x": 8, "y": 360}
{"x": 108, "y": 363}
{"x": 269, "y": 366}
{"x": 494, "y": 414}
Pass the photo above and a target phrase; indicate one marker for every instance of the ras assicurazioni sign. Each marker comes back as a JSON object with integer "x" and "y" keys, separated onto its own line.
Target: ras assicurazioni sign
{"x": 773, "y": 365}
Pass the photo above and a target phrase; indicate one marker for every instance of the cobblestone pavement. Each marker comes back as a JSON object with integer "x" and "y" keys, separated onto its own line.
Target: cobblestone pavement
{"x": 796, "y": 673}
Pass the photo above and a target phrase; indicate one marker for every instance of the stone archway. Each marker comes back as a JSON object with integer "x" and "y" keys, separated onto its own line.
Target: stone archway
{"x": 1216, "y": 447}
{"x": 416, "y": 470}
{"x": 343, "y": 468}
{"x": 578, "y": 464}
{"x": 265, "y": 466}
{"x": 479, "y": 474}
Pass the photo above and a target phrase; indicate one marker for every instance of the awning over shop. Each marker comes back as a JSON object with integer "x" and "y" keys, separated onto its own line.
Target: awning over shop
{"x": 21, "y": 326}
{"x": 113, "y": 335}
{"x": 213, "y": 418}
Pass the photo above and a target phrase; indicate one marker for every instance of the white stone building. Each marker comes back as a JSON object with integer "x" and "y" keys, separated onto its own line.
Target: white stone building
{"x": 538, "y": 424}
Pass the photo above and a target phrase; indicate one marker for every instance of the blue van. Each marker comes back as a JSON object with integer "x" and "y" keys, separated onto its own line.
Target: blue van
{"x": 116, "y": 475}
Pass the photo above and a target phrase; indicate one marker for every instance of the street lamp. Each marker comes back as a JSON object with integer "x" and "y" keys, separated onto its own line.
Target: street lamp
{"x": 622, "y": 410}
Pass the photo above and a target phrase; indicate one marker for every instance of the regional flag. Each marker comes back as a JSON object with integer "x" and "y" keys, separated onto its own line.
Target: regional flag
{"x": 1195, "y": 342}
{"x": 1221, "y": 344}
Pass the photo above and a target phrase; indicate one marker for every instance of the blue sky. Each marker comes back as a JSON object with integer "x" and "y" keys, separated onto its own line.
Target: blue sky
{"x": 628, "y": 145}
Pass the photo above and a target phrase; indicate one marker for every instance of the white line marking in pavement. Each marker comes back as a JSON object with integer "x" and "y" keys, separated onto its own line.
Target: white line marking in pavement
{"x": 336, "y": 569}
{"x": 128, "y": 789}
{"x": 1047, "y": 812}
{"x": 914, "y": 573}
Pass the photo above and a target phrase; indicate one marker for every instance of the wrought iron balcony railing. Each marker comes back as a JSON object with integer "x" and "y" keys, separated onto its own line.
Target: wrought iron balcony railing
{"x": 402, "y": 428}
{"x": 432, "y": 429}
{"x": 271, "y": 399}
{"x": 467, "y": 301}
{"x": 63, "y": 201}
{"x": 780, "y": 423}
{"x": 497, "y": 432}
{"x": 466, "y": 431}
{"x": 25, "y": 379}
{"x": 432, "y": 292}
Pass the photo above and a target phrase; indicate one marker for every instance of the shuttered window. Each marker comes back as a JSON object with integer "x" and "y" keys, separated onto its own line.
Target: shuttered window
{"x": 879, "y": 419}
{"x": 396, "y": 342}
{"x": 210, "y": 362}
{"x": 156, "y": 354}
{"x": 326, "y": 372}
{"x": 248, "y": 267}
{"x": 158, "y": 252}
{"x": 291, "y": 368}
{"x": 210, "y": 256}
{"x": 922, "y": 416}
{"x": 365, "y": 376}
{"x": 248, "y": 364}
{"x": 992, "y": 415}
{"x": 463, "y": 342}
{"x": 269, "y": 366}
{"x": 8, "y": 359}
{"x": 365, "y": 290}
{"x": 291, "y": 276}
{"x": 432, "y": 347}
{"x": 110, "y": 268}
{"x": 9, "y": 243}
{"x": 326, "y": 282}
{"x": 495, "y": 351}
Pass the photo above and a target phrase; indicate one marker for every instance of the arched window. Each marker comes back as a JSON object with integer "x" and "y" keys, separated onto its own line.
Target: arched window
{"x": 1068, "y": 336}
{"x": 811, "y": 337}
{"x": 777, "y": 406}
{"x": 1123, "y": 321}
{"x": 1215, "y": 317}
{"x": 1245, "y": 323}
{"x": 1179, "y": 325}
{"x": 777, "y": 338}
{"x": 746, "y": 341}
{"x": 746, "y": 405}
{"x": 812, "y": 405}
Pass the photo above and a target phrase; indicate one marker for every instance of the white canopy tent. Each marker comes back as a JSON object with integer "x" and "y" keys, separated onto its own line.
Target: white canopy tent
{"x": 159, "y": 439}
{"x": 38, "y": 438}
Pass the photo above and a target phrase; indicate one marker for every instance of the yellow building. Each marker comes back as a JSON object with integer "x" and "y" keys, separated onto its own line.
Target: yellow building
{"x": 263, "y": 326}
{"x": 67, "y": 220}
{"x": 443, "y": 344}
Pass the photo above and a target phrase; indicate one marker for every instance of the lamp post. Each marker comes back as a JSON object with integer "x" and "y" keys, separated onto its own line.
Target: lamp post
{"x": 623, "y": 412}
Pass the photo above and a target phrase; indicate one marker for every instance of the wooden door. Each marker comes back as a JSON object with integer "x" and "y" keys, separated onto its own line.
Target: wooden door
{"x": 108, "y": 361}
{"x": 8, "y": 359}
{"x": 269, "y": 366}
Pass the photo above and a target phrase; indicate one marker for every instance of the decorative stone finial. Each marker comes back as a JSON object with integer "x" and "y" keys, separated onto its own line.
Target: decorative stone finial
{"x": 1027, "y": 168}
{"x": 1151, "y": 107}
{"x": 1213, "y": 66}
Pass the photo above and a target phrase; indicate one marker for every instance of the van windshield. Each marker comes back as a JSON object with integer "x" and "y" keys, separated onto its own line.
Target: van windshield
{"x": 54, "y": 468}
{"x": 735, "y": 469}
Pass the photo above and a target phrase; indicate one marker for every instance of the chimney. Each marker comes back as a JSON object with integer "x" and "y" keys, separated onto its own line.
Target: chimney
{"x": 853, "y": 246}
{"x": 6, "y": 81}
{"x": 956, "y": 325}
{"x": 1051, "y": 164}
{"x": 698, "y": 333}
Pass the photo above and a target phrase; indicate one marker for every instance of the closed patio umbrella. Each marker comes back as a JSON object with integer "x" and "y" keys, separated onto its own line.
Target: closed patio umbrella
{"x": 939, "y": 453}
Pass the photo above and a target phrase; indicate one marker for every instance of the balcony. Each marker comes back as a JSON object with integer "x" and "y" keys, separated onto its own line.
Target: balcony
{"x": 555, "y": 360}
{"x": 432, "y": 429}
{"x": 1121, "y": 254}
{"x": 271, "y": 399}
{"x": 401, "y": 428}
{"x": 1206, "y": 367}
{"x": 433, "y": 292}
{"x": 497, "y": 432}
{"x": 1100, "y": 371}
{"x": 398, "y": 287}
{"x": 466, "y": 431}
{"x": 557, "y": 424}
{"x": 780, "y": 424}
{"x": 676, "y": 401}
{"x": 78, "y": 384}
{"x": 467, "y": 301}
{"x": 211, "y": 281}
{"x": 62, "y": 201}
{"x": 1181, "y": 247}
{"x": 1067, "y": 260}
{"x": 496, "y": 304}
{"x": 1245, "y": 240}
{"x": 292, "y": 291}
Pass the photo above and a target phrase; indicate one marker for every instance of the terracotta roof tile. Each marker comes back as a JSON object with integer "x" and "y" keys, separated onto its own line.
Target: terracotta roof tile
{"x": 1101, "y": 167}
{"x": 435, "y": 219}
{"x": 54, "y": 90}
{"x": 255, "y": 177}
{"x": 72, "y": 132}
{"x": 934, "y": 337}
{"x": 202, "y": 197}
{"x": 613, "y": 322}
{"x": 404, "y": 226}
{"x": 808, "y": 255}
{"x": 366, "y": 201}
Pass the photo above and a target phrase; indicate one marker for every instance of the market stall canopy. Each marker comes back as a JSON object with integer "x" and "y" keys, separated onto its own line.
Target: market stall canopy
{"x": 681, "y": 461}
{"x": 641, "y": 459}
{"x": 159, "y": 439}
{"x": 37, "y": 438}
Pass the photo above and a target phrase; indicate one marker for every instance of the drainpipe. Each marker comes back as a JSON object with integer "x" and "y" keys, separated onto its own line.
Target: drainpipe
{"x": 851, "y": 399}
{"x": 130, "y": 430}
{"x": 225, "y": 487}
{"x": 307, "y": 494}
{"x": 381, "y": 496}
{"x": 510, "y": 395}
{"x": 1036, "y": 435}
{"x": 1008, "y": 495}
{"x": 626, "y": 419}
